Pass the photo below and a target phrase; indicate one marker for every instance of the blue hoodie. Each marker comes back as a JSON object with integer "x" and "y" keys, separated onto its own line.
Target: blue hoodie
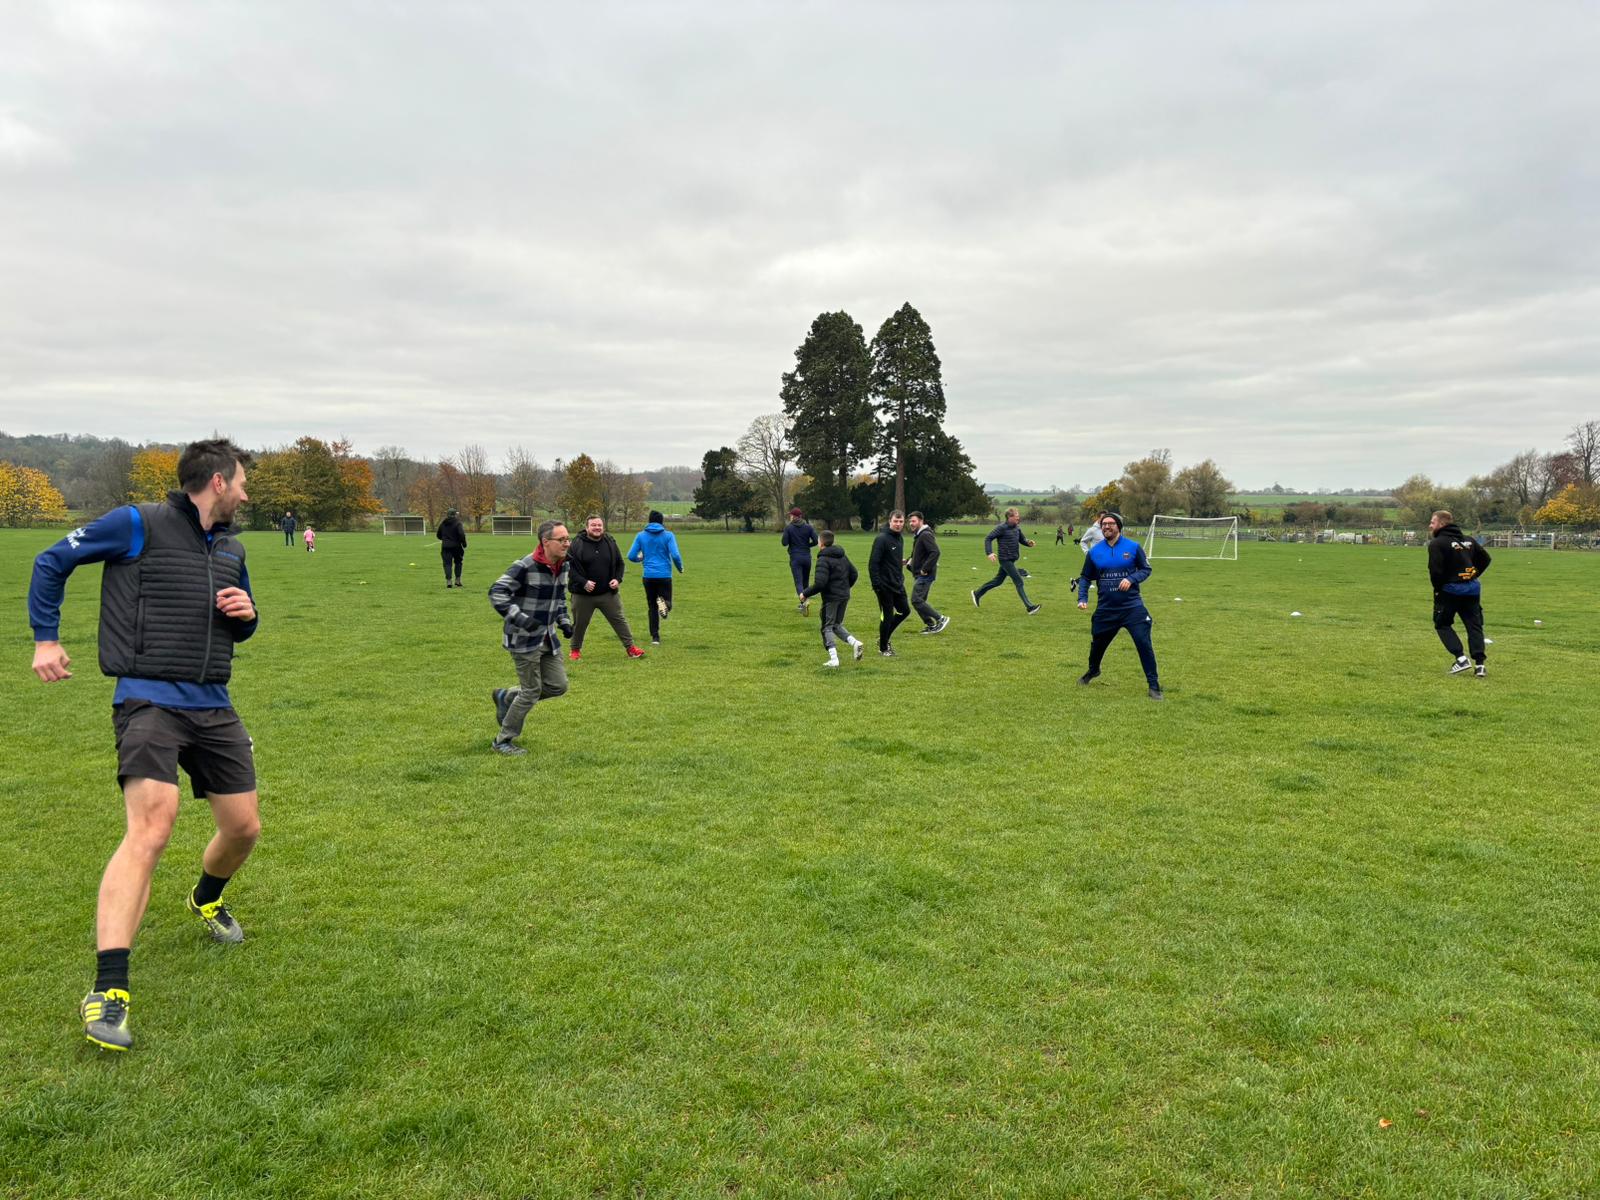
{"x": 657, "y": 549}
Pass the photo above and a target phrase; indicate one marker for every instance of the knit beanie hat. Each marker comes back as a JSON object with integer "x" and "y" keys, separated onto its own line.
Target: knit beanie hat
{"x": 1117, "y": 517}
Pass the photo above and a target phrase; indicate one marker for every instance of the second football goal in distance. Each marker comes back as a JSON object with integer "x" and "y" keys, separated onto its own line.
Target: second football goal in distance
{"x": 1193, "y": 537}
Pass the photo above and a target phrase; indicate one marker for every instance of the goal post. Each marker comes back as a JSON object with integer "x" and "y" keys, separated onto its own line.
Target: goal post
{"x": 405, "y": 523}
{"x": 508, "y": 524}
{"x": 1193, "y": 537}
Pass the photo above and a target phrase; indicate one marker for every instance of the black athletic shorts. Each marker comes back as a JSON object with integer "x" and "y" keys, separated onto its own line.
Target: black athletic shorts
{"x": 210, "y": 744}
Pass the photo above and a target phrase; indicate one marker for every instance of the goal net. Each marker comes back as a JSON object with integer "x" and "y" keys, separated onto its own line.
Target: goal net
{"x": 405, "y": 523}
{"x": 501, "y": 523}
{"x": 1193, "y": 537}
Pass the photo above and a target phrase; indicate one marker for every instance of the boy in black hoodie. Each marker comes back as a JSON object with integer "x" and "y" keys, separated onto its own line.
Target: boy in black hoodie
{"x": 1455, "y": 564}
{"x": 835, "y": 576}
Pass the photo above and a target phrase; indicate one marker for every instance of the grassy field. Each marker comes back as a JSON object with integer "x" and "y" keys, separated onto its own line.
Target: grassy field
{"x": 1324, "y": 923}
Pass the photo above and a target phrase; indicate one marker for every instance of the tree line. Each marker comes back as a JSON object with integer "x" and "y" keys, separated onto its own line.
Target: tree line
{"x": 1533, "y": 487}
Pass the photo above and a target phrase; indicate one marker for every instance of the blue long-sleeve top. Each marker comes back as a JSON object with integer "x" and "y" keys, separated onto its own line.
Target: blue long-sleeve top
{"x": 118, "y": 536}
{"x": 1108, "y": 565}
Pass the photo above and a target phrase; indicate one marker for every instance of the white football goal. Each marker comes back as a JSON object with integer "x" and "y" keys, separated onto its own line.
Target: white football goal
{"x": 505, "y": 523}
{"x": 1193, "y": 537}
{"x": 404, "y": 523}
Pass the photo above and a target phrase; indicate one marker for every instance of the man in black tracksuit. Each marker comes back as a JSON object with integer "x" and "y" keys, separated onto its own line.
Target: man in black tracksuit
{"x": 835, "y": 576}
{"x": 452, "y": 537}
{"x": 886, "y": 570}
{"x": 1455, "y": 565}
{"x": 798, "y": 537}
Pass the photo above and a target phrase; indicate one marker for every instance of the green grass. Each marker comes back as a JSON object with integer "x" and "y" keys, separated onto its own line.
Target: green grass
{"x": 934, "y": 926}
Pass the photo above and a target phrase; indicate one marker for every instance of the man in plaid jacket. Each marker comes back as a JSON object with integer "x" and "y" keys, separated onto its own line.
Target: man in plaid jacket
{"x": 532, "y": 597}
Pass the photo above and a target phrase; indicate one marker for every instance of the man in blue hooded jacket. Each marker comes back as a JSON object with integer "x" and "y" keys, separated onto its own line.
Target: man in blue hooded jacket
{"x": 1117, "y": 566}
{"x": 658, "y": 550}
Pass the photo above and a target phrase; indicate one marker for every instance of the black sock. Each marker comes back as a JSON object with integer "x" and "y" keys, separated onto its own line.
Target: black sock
{"x": 111, "y": 970}
{"x": 209, "y": 888}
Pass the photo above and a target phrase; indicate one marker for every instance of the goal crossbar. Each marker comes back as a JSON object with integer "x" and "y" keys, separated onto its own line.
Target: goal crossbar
{"x": 405, "y": 523}
{"x": 1193, "y": 537}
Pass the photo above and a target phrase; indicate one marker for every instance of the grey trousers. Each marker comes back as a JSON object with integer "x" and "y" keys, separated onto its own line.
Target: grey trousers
{"x": 609, "y": 604}
{"x": 541, "y": 676}
{"x": 833, "y": 623}
{"x": 919, "y": 599}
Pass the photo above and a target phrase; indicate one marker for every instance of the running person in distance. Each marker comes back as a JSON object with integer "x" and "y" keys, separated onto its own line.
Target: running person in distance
{"x": 799, "y": 536}
{"x": 1002, "y": 545}
{"x": 594, "y": 577}
{"x": 836, "y": 575}
{"x": 1456, "y": 564}
{"x": 174, "y": 599}
{"x": 1117, "y": 566}
{"x": 452, "y": 535}
{"x": 657, "y": 549}
{"x": 532, "y": 598}
{"x": 886, "y": 571}
{"x": 924, "y": 568}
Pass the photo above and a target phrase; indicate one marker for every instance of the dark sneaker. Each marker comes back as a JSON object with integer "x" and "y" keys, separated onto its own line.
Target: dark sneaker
{"x": 105, "y": 1019}
{"x": 1460, "y": 665}
{"x": 803, "y": 608}
{"x": 939, "y": 626}
{"x": 1481, "y": 671}
{"x": 1087, "y": 678}
{"x": 655, "y": 641}
{"x": 502, "y": 705}
{"x": 887, "y": 652}
{"x": 1155, "y": 694}
{"x": 218, "y": 920}
{"x": 509, "y": 749}
{"x": 1033, "y": 608}
{"x": 975, "y": 603}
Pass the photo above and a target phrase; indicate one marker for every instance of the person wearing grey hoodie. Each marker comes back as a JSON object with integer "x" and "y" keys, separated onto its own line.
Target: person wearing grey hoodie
{"x": 657, "y": 549}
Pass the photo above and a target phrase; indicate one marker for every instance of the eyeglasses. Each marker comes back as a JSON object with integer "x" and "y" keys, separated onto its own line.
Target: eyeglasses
{"x": 556, "y": 539}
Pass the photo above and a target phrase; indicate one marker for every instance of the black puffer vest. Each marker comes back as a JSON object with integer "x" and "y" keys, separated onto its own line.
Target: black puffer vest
{"x": 158, "y": 612}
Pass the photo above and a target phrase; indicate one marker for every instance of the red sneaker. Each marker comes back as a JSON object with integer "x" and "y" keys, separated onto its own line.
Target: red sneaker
{"x": 573, "y": 656}
{"x": 635, "y": 652}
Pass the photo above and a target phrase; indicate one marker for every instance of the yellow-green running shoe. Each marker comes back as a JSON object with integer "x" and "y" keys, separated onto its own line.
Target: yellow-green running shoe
{"x": 218, "y": 920}
{"x": 105, "y": 1019}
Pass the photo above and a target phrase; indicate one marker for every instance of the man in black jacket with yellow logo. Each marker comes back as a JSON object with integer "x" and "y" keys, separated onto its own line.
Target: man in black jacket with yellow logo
{"x": 1455, "y": 565}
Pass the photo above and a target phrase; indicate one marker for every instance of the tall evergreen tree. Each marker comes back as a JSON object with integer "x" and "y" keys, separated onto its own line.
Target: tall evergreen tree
{"x": 908, "y": 391}
{"x": 825, "y": 398}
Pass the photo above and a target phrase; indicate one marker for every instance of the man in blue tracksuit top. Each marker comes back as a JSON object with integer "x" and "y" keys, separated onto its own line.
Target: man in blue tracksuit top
{"x": 174, "y": 600}
{"x": 799, "y": 536}
{"x": 1117, "y": 566}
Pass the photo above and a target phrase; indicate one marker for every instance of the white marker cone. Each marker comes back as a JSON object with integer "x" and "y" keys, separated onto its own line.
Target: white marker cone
{"x": 1295, "y": 614}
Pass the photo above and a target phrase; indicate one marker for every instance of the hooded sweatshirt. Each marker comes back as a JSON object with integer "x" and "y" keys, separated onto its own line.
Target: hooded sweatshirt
{"x": 593, "y": 560}
{"x": 1455, "y": 562}
{"x": 657, "y": 549}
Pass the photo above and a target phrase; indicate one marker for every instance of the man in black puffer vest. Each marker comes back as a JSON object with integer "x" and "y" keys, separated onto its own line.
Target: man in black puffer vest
{"x": 174, "y": 599}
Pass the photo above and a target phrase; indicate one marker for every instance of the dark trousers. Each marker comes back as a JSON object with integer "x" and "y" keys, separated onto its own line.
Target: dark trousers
{"x": 288, "y": 537}
{"x": 800, "y": 568}
{"x": 452, "y": 554}
{"x": 1008, "y": 570}
{"x": 919, "y": 600}
{"x": 833, "y": 630}
{"x": 1137, "y": 622}
{"x": 1446, "y": 608}
{"x": 893, "y": 607}
{"x": 657, "y": 589}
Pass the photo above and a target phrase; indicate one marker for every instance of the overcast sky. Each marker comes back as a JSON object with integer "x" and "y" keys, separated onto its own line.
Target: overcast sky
{"x": 1327, "y": 245}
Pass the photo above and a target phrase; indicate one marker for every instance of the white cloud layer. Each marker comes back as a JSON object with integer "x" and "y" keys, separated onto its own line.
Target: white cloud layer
{"x": 1325, "y": 245}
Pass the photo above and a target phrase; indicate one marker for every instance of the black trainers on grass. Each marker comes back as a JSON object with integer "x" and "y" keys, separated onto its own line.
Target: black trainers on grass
{"x": 1087, "y": 678}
